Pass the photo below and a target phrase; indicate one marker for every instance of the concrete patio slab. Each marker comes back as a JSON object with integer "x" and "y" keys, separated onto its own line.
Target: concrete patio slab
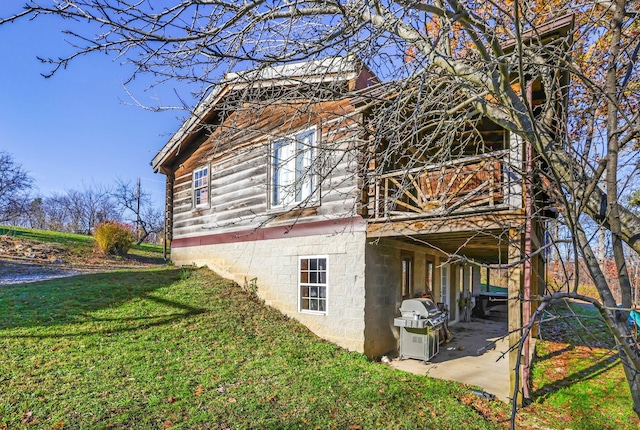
{"x": 474, "y": 357}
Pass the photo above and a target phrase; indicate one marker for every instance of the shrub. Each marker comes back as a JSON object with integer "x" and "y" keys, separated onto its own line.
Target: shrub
{"x": 114, "y": 237}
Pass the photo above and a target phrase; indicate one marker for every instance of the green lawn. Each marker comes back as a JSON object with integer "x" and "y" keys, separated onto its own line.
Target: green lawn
{"x": 176, "y": 348}
{"x": 78, "y": 242}
{"x": 578, "y": 377}
{"x": 171, "y": 348}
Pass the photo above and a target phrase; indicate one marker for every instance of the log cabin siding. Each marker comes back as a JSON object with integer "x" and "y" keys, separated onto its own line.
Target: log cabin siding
{"x": 262, "y": 121}
{"x": 238, "y": 156}
{"x": 182, "y": 188}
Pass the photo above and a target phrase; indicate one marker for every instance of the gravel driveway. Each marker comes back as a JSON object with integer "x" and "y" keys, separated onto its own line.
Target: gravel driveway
{"x": 16, "y": 273}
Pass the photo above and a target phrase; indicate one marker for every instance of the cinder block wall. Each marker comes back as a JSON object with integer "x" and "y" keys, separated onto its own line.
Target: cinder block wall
{"x": 275, "y": 265}
{"x": 383, "y": 298}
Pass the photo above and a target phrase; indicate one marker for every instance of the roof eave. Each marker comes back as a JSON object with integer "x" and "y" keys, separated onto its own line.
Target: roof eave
{"x": 239, "y": 80}
{"x": 560, "y": 27}
{"x": 187, "y": 128}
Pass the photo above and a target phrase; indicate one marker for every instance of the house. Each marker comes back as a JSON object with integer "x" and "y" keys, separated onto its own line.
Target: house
{"x": 274, "y": 180}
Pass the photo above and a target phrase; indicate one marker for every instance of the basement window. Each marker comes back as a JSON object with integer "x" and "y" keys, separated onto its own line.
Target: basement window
{"x": 201, "y": 187}
{"x": 313, "y": 284}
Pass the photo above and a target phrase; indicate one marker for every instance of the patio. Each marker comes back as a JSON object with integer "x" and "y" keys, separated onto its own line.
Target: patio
{"x": 473, "y": 356}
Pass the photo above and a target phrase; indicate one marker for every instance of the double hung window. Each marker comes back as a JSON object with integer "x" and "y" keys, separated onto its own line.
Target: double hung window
{"x": 292, "y": 177}
{"x": 313, "y": 284}
{"x": 201, "y": 187}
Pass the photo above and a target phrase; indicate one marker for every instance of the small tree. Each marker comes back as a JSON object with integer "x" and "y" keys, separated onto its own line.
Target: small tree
{"x": 634, "y": 200}
{"x": 35, "y": 216}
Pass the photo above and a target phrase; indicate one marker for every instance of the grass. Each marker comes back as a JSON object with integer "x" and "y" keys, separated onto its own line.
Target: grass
{"x": 183, "y": 348}
{"x": 75, "y": 242}
{"x": 160, "y": 349}
{"x": 577, "y": 374}
{"x": 79, "y": 245}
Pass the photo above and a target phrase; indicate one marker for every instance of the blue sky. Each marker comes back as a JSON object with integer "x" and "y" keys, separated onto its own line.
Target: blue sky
{"x": 79, "y": 126}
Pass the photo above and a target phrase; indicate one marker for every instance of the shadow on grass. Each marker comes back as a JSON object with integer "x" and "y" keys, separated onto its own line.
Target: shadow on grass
{"x": 575, "y": 325}
{"x": 146, "y": 259}
{"x": 578, "y": 324}
{"x": 73, "y": 300}
{"x": 555, "y": 353}
{"x": 604, "y": 364}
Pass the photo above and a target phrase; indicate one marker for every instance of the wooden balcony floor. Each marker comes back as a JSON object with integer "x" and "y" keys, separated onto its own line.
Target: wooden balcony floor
{"x": 482, "y": 237}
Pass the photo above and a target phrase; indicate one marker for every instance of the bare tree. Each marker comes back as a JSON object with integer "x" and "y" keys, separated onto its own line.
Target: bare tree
{"x": 15, "y": 185}
{"x": 137, "y": 208}
{"x": 89, "y": 206}
{"x": 56, "y": 213}
{"x": 36, "y": 216}
{"x": 75, "y": 210}
{"x": 456, "y": 65}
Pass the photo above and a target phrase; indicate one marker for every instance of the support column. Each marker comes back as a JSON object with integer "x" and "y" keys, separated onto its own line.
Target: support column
{"x": 487, "y": 287}
{"x": 168, "y": 214}
{"x": 466, "y": 292}
{"x": 437, "y": 281}
{"x": 514, "y": 307}
{"x": 476, "y": 289}
{"x": 475, "y": 280}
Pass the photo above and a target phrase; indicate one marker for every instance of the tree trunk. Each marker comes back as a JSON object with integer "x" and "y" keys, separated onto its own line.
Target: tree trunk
{"x": 628, "y": 347}
{"x": 631, "y": 372}
{"x": 144, "y": 235}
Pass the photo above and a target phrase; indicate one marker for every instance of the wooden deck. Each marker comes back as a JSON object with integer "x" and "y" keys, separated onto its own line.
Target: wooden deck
{"x": 465, "y": 206}
{"x": 465, "y": 185}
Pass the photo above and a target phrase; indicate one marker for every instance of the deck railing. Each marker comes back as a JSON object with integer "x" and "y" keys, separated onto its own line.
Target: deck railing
{"x": 462, "y": 185}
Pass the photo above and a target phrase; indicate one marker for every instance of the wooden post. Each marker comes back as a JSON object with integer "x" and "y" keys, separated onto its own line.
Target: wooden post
{"x": 168, "y": 214}
{"x": 466, "y": 292}
{"x": 514, "y": 307}
{"x": 138, "y": 219}
{"x": 527, "y": 267}
{"x": 487, "y": 287}
{"x": 475, "y": 280}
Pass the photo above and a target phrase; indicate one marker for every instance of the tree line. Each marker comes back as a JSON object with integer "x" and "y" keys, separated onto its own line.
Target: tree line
{"x": 76, "y": 210}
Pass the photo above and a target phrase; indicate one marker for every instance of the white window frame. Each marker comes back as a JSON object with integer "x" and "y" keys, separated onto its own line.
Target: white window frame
{"x": 445, "y": 285}
{"x": 407, "y": 277}
{"x": 293, "y": 179}
{"x": 306, "y": 282}
{"x": 198, "y": 186}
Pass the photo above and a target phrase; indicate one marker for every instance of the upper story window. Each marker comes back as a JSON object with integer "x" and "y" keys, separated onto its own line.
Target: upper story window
{"x": 293, "y": 180}
{"x": 201, "y": 187}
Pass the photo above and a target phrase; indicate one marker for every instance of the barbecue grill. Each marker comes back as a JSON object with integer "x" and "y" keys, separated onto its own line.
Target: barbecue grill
{"x": 420, "y": 324}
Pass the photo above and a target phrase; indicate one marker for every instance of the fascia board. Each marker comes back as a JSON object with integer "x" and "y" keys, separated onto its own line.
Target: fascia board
{"x": 189, "y": 126}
